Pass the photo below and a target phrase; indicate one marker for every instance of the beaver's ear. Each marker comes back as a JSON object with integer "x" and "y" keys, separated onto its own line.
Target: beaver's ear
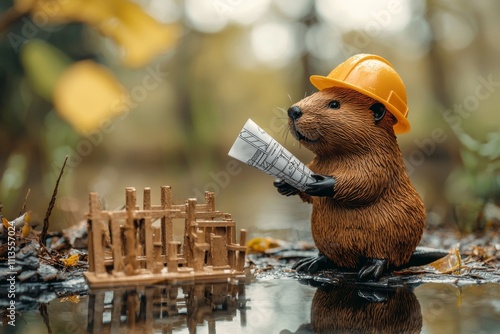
{"x": 378, "y": 111}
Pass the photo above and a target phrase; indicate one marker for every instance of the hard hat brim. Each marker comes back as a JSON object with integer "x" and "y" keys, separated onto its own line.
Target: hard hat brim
{"x": 322, "y": 82}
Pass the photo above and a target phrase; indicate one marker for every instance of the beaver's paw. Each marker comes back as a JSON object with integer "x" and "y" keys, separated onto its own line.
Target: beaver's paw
{"x": 313, "y": 264}
{"x": 323, "y": 186}
{"x": 372, "y": 270}
{"x": 284, "y": 188}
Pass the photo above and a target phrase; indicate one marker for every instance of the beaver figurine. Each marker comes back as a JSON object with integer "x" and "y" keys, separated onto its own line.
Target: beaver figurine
{"x": 366, "y": 214}
{"x": 347, "y": 308}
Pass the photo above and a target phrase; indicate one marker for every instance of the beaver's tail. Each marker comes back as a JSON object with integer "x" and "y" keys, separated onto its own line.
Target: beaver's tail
{"x": 425, "y": 255}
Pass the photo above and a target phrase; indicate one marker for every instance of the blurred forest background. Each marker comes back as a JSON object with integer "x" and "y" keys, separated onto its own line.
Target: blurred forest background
{"x": 153, "y": 92}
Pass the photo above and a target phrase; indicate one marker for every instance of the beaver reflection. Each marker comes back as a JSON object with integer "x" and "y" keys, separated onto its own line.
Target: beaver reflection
{"x": 352, "y": 309}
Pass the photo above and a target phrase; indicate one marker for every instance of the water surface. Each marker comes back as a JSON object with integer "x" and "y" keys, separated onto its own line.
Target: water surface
{"x": 274, "y": 306}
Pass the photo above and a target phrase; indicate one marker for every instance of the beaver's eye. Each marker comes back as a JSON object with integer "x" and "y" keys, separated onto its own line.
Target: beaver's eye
{"x": 334, "y": 104}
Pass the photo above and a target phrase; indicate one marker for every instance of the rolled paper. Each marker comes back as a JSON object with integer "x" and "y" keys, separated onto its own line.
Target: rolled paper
{"x": 258, "y": 149}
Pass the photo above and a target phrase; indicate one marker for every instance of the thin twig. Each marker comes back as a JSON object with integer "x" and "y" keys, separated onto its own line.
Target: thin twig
{"x": 44, "y": 312}
{"x": 43, "y": 235}
{"x": 23, "y": 208}
{"x": 45, "y": 249}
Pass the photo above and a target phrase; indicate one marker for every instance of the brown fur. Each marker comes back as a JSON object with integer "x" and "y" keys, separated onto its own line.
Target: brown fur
{"x": 375, "y": 212}
{"x": 342, "y": 310}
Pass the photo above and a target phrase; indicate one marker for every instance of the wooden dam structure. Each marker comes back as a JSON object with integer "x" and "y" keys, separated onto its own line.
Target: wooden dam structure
{"x": 136, "y": 246}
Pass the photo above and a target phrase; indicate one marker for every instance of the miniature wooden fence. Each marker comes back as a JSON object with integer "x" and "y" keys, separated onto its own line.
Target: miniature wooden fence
{"x": 127, "y": 244}
{"x": 165, "y": 309}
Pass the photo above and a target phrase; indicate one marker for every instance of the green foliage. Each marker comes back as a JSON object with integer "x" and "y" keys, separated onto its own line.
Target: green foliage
{"x": 476, "y": 181}
{"x": 43, "y": 65}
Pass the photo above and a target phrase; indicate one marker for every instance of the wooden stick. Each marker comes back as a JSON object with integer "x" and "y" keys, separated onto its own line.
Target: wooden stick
{"x": 23, "y": 208}
{"x": 166, "y": 222}
{"x": 43, "y": 235}
{"x": 130, "y": 233}
{"x": 148, "y": 231}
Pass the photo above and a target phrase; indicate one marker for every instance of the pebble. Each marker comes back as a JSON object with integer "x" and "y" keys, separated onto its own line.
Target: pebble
{"x": 25, "y": 275}
{"x": 47, "y": 273}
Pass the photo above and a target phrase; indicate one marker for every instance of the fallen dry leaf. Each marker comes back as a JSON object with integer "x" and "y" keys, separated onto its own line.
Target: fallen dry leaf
{"x": 74, "y": 299}
{"x": 260, "y": 245}
{"x": 449, "y": 264}
{"x": 71, "y": 261}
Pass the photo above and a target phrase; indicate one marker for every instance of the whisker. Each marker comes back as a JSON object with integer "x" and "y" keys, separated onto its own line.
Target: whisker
{"x": 290, "y": 97}
{"x": 285, "y": 132}
{"x": 283, "y": 110}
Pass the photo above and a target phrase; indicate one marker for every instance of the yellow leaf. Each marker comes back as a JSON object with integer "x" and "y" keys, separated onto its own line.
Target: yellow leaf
{"x": 5, "y": 223}
{"x": 260, "y": 245}
{"x": 18, "y": 223}
{"x": 87, "y": 94}
{"x": 448, "y": 264}
{"x": 140, "y": 36}
{"x": 24, "y": 6}
{"x": 74, "y": 299}
{"x": 71, "y": 261}
{"x": 25, "y": 231}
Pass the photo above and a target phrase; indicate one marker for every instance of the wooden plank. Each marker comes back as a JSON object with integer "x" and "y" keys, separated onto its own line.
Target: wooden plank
{"x": 233, "y": 234}
{"x": 218, "y": 250}
{"x": 93, "y": 215}
{"x": 214, "y": 223}
{"x": 243, "y": 237}
{"x": 156, "y": 234}
{"x": 139, "y": 235}
{"x": 146, "y": 199}
{"x": 201, "y": 247}
{"x": 97, "y": 235}
{"x": 148, "y": 245}
{"x": 149, "y": 320}
{"x": 117, "y": 310}
{"x": 155, "y": 214}
{"x": 222, "y": 231}
{"x": 166, "y": 221}
{"x": 97, "y": 311}
{"x": 148, "y": 232}
{"x": 236, "y": 248}
{"x": 123, "y": 239}
{"x": 172, "y": 263}
{"x": 231, "y": 257}
{"x": 93, "y": 205}
{"x": 117, "y": 244}
{"x": 90, "y": 245}
{"x": 158, "y": 259}
{"x": 242, "y": 254}
{"x": 130, "y": 233}
{"x": 201, "y": 208}
{"x": 180, "y": 207}
{"x": 131, "y": 305}
{"x": 211, "y": 215}
{"x": 186, "y": 276}
{"x": 189, "y": 226}
{"x": 210, "y": 201}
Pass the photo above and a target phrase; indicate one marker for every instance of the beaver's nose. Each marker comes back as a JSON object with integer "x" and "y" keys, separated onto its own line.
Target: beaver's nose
{"x": 294, "y": 112}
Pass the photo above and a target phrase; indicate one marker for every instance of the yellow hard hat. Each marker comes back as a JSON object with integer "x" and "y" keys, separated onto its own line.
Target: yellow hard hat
{"x": 375, "y": 77}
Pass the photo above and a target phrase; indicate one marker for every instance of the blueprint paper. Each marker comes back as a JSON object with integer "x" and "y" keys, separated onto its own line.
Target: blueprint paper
{"x": 258, "y": 149}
